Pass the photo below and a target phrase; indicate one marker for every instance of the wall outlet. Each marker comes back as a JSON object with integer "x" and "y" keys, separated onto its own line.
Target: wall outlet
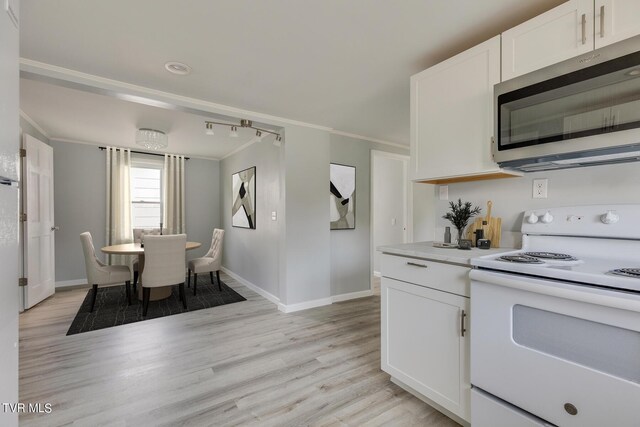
{"x": 274, "y": 216}
{"x": 540, "y": 188}
{"x": 444, "y": 192}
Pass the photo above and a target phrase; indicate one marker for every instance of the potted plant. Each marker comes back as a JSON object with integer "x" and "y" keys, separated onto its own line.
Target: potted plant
{"x": 460, "y": 215}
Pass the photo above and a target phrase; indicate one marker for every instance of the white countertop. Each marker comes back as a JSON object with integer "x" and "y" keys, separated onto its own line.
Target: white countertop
{"x": 426, "y": 250}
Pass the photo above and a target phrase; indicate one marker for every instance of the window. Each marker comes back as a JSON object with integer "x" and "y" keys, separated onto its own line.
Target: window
{"x": 146, "y": 194}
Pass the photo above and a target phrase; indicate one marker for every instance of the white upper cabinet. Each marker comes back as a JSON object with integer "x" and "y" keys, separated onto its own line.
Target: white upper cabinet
{"x": 561, "y": 33}
{"x": 569, "y": 30}
{"x": 452, "y": 116}
{"x": 616, "y": 20}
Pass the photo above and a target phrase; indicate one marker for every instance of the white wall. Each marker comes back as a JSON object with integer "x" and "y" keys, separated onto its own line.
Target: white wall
{"x": 253, "y": 254}
{"x": 511, "y": 196}
{"x": 9, "y": 226}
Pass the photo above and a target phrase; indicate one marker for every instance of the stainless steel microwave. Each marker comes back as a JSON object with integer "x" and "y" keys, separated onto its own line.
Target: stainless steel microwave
{"x": 581, "y": 112}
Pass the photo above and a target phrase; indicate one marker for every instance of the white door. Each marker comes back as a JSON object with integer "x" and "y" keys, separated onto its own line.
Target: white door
{"x": 561, "y": 33}
{"x": 616, "y": 20}
{"x": 389, "y": 195}
{"x": 39, "y": 265}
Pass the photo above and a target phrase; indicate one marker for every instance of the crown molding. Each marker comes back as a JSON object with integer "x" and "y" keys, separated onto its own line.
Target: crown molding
{"x": 34, "y": 124}
{"x": 366, "y": 138}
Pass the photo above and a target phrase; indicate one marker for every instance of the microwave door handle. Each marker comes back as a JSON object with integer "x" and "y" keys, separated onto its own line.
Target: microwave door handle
{"x": 584, "y": 28}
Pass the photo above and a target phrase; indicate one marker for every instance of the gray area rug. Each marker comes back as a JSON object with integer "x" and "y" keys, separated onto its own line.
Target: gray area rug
{"x": 111, "y": 307}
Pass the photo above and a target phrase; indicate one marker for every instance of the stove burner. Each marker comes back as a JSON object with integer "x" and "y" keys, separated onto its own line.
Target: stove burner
{"x": 551, "y": 256}
{"x": 521, "y": 259}
{"x": 627, "y": 272}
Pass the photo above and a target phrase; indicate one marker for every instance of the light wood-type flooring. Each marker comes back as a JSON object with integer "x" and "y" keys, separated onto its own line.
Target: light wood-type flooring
{"x": 238, "y": 364}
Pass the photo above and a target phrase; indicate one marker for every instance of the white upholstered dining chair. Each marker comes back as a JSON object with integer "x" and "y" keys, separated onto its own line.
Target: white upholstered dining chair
{"x": 164, "y": 265}
{"x": 99, "y": 273}
{"x": 138, "y": 235}
{"x": 209, "y": 263}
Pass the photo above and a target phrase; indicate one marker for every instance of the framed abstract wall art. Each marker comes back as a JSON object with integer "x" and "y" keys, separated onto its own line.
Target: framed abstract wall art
{"x": 342, "y": 196}
{"x": 243, "y": 213}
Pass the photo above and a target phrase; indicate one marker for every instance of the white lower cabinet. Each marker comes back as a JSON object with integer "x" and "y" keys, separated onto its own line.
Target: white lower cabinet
{"x": 425, "y": 338}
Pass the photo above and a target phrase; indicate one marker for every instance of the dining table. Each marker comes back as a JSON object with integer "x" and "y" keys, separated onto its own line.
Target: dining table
{"x": 157, "y": 293}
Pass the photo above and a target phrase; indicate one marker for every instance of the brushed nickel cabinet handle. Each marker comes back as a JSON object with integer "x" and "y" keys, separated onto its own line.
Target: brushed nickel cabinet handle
{"x": 462, "y": 328}
{"x": 584, "y": 28}
{"x": 415, "y": 264}
{"x": 602, "y": 21}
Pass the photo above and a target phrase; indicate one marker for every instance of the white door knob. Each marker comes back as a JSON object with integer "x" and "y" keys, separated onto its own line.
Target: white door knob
{"x": 546, "y": 218}
{"x": 609, "y": 218}
{"x": 532, "y": 218}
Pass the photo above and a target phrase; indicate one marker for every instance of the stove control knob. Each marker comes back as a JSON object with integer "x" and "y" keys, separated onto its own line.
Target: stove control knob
{"x": 532, "y": 219}
{"x": 547, "y": 218}
{"x": 609, "y": 218}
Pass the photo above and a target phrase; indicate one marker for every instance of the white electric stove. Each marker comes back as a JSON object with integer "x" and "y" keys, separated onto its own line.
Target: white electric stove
{"x": 556, "y": 325}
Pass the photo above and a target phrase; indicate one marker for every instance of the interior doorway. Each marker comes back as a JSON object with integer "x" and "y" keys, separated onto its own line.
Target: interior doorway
{"x": 390, "y": 203}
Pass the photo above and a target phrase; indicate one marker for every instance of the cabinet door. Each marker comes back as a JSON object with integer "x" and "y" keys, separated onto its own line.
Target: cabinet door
{"x": 422, "y": 342}
{"x": 452, "y": 114}
{"x": 561, "y": 33}
{"x": 616, "y": 20}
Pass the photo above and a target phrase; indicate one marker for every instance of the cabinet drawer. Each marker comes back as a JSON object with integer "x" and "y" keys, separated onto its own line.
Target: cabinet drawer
{"x": 436, "y": 275}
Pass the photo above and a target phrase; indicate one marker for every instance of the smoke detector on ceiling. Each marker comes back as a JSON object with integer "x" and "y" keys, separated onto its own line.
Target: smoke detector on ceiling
{"x": 177, "y": 68}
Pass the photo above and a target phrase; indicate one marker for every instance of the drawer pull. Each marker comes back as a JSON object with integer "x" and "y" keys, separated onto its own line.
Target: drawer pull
{"x": 415, "y": 264}
{"x": 462, "y": 328}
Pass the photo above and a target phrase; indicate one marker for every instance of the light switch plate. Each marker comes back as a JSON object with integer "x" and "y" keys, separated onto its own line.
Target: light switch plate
{"x": 444, "y": 192}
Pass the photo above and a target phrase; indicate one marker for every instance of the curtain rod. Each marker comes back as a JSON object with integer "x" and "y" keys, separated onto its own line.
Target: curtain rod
{"x": 141, "y": 152}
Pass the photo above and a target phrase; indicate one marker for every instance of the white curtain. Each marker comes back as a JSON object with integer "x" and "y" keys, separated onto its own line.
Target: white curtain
{"x": 173, "y": 185}
{"x": 118, "y": 201}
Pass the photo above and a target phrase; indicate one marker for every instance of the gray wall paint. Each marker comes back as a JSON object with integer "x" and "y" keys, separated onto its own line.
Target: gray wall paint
{"x": 253, "y": 254}
{"x": 80, "y": 203}
{"x": 80, "y": 185}
{"x": 512, "y": 196}
{"x": 350, "y": 249}
{"x": 306, "y": 264}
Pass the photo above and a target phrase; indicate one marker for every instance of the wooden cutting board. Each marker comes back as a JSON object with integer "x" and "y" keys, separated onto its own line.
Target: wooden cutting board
{"x": 491, "y": 225}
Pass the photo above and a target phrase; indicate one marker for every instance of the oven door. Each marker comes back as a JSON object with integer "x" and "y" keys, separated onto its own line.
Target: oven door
{"x": 568, "y": 354}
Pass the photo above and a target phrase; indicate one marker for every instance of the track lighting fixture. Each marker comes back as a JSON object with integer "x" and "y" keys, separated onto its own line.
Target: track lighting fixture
{"x": 244, "y": 123}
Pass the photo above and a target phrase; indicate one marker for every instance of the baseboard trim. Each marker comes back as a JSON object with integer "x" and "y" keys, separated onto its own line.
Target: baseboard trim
{"x": 69, "y": 283}
{"x": 290, "y": 308}
{"x": 377, "y": 274}
{"x": 352, "y": 295}
{"x": 255, "y": 288}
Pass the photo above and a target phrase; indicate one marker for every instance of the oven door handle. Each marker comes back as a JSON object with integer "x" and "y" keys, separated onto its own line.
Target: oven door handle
{"x": 588, "y": 294}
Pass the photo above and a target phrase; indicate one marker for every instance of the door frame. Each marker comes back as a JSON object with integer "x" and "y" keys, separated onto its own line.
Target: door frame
{"x": 407, "y": 190}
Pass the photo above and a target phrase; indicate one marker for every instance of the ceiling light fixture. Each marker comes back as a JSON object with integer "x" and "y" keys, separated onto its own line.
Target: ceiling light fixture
{"x": 177, "y": 68}
{"x": 244, "y": 123}
{"x": 152, "y": 139}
